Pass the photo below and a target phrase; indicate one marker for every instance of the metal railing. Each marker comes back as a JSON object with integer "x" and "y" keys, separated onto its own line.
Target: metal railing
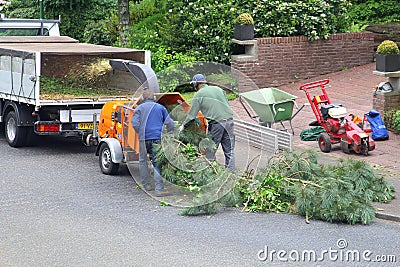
{"x": 263, "y": 137}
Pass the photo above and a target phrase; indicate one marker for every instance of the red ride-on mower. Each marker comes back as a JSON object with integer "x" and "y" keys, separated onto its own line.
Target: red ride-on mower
{"x": 338, "y": 125}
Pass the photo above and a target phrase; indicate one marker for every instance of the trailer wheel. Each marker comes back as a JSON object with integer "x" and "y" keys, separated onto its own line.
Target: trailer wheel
{"x": 324, "y": 142}
{"x": 105, "y": 161}
{"x": 15, "y": 135}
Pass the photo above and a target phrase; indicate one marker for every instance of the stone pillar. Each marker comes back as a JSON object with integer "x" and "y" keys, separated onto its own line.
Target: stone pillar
{"x": 384, "y": 101}
{"x": 393, "y": 77}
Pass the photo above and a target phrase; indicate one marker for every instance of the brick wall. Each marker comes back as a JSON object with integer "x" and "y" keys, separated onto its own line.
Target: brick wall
{"x": 386, "y": 101}
{"x": 280, "y": 60}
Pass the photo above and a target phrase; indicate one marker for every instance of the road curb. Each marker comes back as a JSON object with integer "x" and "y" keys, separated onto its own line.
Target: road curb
{"x": 388, "y": 217}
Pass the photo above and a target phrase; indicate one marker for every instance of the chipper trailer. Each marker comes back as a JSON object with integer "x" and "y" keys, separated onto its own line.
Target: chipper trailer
{"x": 117, "y": 140}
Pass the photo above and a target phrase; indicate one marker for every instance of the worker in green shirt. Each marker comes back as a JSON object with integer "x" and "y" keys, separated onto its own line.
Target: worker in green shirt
{"x": 212, "y": 102}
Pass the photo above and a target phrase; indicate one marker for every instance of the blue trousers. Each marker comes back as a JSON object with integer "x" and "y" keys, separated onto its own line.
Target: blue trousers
{"x": 146, "y": 148}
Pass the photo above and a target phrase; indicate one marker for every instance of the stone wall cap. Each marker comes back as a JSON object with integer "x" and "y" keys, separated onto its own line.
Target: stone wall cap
{"x": 394, "y": 74}
{"x": 244, "y": 42}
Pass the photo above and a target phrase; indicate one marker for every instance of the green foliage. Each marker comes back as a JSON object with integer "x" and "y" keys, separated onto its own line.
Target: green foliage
{"x": 224, "y": 80}
{"x": 264, "y": 193}
{"x": 292, "y": 182}
{"x": 387, "y": 47}
{"x": 315, "y": 19}
{"x": 395, "y": 120}
{"x": 374, "y": 11}
{"x": 183, "y": 163}
{"x": 22, "y": 9}
{"x": 141, "y": 10}
{"x": 392, "y": 120}
{"x": 75, "y": 14}
{"x": 164, "y": 57}
{"x": 244, "y": 19}
{"x": 206, "y": 27}
{"x": 203, "y": 27}
{"x": 100, "y": 32}
{"x": 356, "y": 27}
{"x": 176, "y": 78}
{"x": 146, "y": 35}
{"x": 296, "y": 182}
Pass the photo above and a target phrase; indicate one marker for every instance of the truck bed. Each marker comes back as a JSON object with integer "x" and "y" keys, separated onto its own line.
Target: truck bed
{"x": 30, "y": 58}
{"x": 64, "y": 45}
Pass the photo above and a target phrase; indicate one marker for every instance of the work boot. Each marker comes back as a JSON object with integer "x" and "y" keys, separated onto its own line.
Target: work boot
{"x": 162, "y": 193}
{"x": 148, "y": 187}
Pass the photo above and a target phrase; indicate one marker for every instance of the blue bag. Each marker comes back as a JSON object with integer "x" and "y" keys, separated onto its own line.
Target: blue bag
{"x": 378, "y": 128}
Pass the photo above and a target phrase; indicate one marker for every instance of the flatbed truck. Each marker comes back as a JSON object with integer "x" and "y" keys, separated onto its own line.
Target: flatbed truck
{"x": 26, "y": 111}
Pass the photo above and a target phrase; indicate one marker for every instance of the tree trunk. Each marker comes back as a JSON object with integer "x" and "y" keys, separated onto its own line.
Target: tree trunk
{"x": 123, "y": 19}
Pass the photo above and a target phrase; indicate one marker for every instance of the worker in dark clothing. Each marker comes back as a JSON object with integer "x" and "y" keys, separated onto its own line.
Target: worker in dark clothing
{"x": 148, "y": 121}
{"x": 213, "y": 104}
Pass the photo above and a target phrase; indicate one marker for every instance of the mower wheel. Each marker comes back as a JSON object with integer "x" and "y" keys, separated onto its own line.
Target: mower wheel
{"x": 324, "y": 142}
{"x": 344, "y": 146}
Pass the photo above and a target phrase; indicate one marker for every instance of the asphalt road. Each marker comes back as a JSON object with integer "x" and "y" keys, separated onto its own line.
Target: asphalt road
{"x": 58, "y": 209}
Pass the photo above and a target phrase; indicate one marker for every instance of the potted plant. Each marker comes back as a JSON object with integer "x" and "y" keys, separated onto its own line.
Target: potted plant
{"x": 387, "y": 57}
{"x": 244, "y": 27}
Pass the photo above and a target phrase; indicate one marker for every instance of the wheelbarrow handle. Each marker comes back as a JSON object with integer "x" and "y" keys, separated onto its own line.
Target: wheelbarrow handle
{"x": 253, "y": 117}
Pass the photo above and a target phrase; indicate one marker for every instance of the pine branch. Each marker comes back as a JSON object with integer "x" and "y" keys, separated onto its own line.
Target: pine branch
{"x": 304, "y": 182}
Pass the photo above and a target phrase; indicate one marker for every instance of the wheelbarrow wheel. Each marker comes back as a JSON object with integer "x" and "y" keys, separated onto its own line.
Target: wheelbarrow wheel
{"x": 324, "y": 142}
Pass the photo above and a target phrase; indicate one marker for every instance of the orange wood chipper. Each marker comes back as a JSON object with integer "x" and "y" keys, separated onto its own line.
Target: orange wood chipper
{"x": 117, "y": 140}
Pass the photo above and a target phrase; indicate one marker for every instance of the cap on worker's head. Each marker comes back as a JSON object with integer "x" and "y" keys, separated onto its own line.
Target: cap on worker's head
{"x": 197, "y": 79}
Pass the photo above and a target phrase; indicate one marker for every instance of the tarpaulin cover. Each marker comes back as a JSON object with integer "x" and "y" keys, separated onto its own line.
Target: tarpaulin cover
{"x": 379, "y": 131}
{"x": 311, "y": 134}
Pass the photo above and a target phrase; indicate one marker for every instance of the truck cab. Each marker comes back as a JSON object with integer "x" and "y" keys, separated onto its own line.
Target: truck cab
{"x": 28, "y": 27}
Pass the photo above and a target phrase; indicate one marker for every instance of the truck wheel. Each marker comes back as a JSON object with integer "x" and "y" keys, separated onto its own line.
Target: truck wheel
{"x": 105, "y": 161}
{"x": 15, "y": 135}
{"x": 324, "y": 142}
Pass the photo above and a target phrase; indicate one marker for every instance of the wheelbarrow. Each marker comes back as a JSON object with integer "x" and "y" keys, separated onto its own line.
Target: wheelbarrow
{"x": 270, "y": 105}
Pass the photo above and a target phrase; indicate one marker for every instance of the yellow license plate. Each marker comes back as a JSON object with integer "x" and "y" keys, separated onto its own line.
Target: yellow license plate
{"x": 85, "y": 126}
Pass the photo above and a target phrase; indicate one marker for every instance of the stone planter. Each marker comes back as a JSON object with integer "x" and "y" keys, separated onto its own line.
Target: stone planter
{"x": 388, "y": 63}
{"x": 244, "y": 32}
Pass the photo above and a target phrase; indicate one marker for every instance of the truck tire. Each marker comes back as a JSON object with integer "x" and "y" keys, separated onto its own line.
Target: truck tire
{"x": 15, "y": 135}
{"x": 324, "y": 142}
{"x": 106, "y": 165}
